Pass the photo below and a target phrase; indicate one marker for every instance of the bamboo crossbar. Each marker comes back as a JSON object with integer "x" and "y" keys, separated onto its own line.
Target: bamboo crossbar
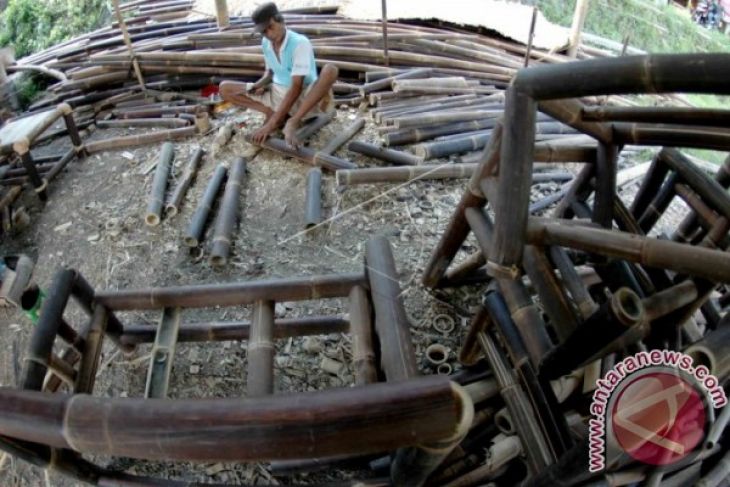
{"x": 202, "y": 296}
{"x": 391, "y": 415}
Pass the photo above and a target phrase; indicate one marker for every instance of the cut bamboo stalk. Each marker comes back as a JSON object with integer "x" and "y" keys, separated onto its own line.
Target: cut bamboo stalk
{"x": 194, "y": 232}
{"x": 135, "y": 140}
{"x": 159, "y": 183}
{"x": 342, "y": 137}
{"x": 387, "y": 155}
{"x": 260, "y": 380}
{"x": 143, "y": 122}
{"x": 173, "y": 203}
{"x": 227, "y": 214}
{"x": 427, "y": 410}
{"x": 398, "y": 359}
{"x": 349, "y": 177}
{"x": 305, "y": 154}
{"x": 313, "y": 198}
{"x": 361, "y": 328}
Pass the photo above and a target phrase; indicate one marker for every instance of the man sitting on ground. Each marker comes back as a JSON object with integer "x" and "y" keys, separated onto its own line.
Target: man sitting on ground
{"x": 296, "y": 89}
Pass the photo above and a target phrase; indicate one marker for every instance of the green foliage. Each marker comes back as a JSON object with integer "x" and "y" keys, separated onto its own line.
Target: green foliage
{"x": 649, "y": 27}
{"x": 31, "y": 26}
{"x": 28, "y": 88}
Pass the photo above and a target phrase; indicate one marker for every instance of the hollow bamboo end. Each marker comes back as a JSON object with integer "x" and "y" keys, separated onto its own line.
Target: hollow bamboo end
{"x": 170, "y": 210}
{"x": 152, "y": 220}
{"x": 218, "y": 260}
{"x": 190, "y": 241}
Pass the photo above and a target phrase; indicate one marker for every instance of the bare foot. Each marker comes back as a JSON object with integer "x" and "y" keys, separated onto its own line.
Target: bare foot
{"x": 290, "y": 133}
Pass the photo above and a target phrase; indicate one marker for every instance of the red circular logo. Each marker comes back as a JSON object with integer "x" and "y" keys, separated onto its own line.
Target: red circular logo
{"x": 658, "y": 418}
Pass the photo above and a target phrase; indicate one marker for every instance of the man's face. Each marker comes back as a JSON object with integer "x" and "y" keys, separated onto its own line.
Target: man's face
{"x": 274, "y": 31}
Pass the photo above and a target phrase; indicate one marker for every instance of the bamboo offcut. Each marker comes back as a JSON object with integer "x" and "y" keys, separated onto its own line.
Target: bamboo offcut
{"x": 313, "y": 198}
{"x": 173, "y": 203}
{"x": 159, "y": 183}
{"x": 194, "y": 232}
{"x": 387, "y": 155}
{"x": 227, "y": 214}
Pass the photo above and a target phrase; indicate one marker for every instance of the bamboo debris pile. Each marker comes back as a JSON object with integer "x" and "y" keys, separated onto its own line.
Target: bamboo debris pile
{"x": 570, "y": 296}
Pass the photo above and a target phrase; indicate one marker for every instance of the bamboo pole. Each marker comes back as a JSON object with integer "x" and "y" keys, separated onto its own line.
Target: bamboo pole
{"x": 194, "y": 232}
{"x": 227, "y": 214}
{"x": 387, "y": 155}
{"x": 398, "y": 358}
{"x": 128, "y": 42}
{"x": 173, "y": 203}
{"x": 260, "y": 380}
{"x": 313, "y": 198}
{"x": 579, "y": 17}
{"x": 361, "y": 328}
{"x": 135, "y": 140}
{"x": 159, "y": 183}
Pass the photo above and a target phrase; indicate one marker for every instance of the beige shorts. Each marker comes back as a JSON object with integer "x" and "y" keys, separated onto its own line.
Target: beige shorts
{"x": 274, "y": 95}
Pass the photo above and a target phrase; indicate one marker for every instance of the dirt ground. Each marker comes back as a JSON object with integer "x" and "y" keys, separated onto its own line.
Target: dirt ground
{"x": 93, "y": 222}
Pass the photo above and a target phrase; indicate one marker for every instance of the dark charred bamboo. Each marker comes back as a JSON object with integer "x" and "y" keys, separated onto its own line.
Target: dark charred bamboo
{"x": 700, "y": 262}
{"x": 44, "y": 334}
{"x": 295, "y": 289}
{"x": 572, "y": 282}
{"x": 306, "y": 154}
{"x": 143, "y": 122}
{"x": 159, "y": 184}
{"x": 513, "y": 194}
{"x": 351, "y": 177}
{"x": 386, "y": 82}
{"x": 623, "y": 311}
{"x": 412, "y": 467}
{"x": 458, "y": 228}
{"x": 341, "y": 138}
{"x": 679, "y": 115}
{"x": 409, "y": 136}
{"x": 361, "y": 329}
{"x": 428, "y": 409}
{"x": 606, "y": 166}
{"x": 398, "y": 359}
{"x": 387, "y": 155}
{"x": 173, "y": 204}
{"x": 680, "y": 136}
{"x": 92, "y": 352}
{"x": 261, "y": 350}
{"x": 240, "y": 330}
{"x": 313, "y": 198}
{"x": 308, "y": 130}
{"x": 142, "y": 139}
{"x": 227, "y": 214}
{"x": 659, "y": 204}
{"x": 706, "y": 187}
{"x": 470, "y": 349}
{"x": 194, "y": 233}
{"x": 534, "y": 443}
{"x": 39, "y": 184}
{"x": 552, "y": 295}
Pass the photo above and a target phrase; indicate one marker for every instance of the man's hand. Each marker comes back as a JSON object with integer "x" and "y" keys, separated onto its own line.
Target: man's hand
{"x": 290, "y": 133}
{"x": 260, "y": 136}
